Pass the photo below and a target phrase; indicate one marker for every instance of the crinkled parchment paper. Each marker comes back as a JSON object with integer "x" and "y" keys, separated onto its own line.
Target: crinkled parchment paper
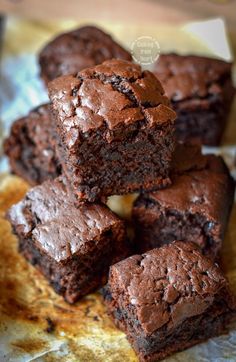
{"x": 35, "y": 323}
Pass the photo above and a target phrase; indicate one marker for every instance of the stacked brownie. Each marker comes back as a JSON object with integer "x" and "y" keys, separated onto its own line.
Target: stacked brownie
{"x": 109, "y": 125}
{"x": 110, "y": 130}
{"x": 31, "y": 147}
{"x": 71, "y": 52}
{"x": 115, "y": 130}
{"x": 196, "y": 207}
{"x": 201, "y": 92}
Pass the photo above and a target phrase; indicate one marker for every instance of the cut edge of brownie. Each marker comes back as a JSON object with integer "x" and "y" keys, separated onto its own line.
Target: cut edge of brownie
{"x": 152, "y": 342}
{"x": 30, "y": 147}
{"x": 80, "y": 275}
{"x": 158, "y": 223}
{"x": 143, "y": 132}
{"x": 174, "y": 225}
{"x": 203, "y": 124}
{"x": 91, "y": 190}
{"x": 211, "y": 327}
{"x": 74, "y": 256}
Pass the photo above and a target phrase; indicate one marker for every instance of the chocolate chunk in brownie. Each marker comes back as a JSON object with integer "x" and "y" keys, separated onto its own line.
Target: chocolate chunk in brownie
{"x": 168, "y": 299}
{"x": 71, "y": 52}
{"x": 196, "y": 207}
{"x": 30, "y": 147}
{"x": 115, "y": 130}
{"x": 73, "y": 247}
{"x": 201, "y": 92}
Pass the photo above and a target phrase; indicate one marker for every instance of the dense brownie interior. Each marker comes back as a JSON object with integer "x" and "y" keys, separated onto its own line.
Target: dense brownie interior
{"x": 159, "y": 225}
{"x": 196, "y": 207}
{"x": 31, "y": 147}
{"x": 193, "y": 331}
{"x": 79, "y": 274}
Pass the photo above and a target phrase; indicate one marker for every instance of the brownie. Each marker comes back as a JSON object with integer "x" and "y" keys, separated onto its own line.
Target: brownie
{"x": 72, "y": 247}
{"x": 201, "y": 92}
{"x": 115, "y": 130}
{"x": 188, "y": 157}
{"x": 71, "y": 52}
{"x": 30, "y": 147}
{"x": 196, "y": 207}
{"x": 168, "y": 299}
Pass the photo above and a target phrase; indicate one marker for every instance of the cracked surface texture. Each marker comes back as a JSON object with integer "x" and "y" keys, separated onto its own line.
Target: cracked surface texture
{"x": 151, "y": 296}
{"x": 196, "y": 207}
{"x": 191, "y": 76}
{"x": 201, "y": 92}
{"x": 112, "y": 93}
{"x": 71, "y": 52}
{"x": 72, "y": 246}
{"x": 114, "y": 124}
{"x": 31, "y": 147}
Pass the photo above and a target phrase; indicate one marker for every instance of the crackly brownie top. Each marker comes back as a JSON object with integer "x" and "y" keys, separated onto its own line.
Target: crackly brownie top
{"x": 114, "y": 94}
{"x": 202, "y": 191}
{"x": 191, "y": 76}
{"x": 70, "y": 52}
{"x": 48, "y": 215}
{"x": 165, "y": 286}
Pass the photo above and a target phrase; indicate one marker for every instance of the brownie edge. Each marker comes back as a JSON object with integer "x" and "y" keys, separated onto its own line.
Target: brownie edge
{"x": 196, "y": 207}
{"x": 73, "y": 247}
{"x": 168, "y": 299}
{"x": 30, "y": 147}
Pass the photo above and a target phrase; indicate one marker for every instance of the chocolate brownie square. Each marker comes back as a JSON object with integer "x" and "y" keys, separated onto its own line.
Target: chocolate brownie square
{"x": 115, "y": 130}
{"x": 168, "y": 299}
{"x": 201, "y": 92}
{"x": 196, "y": 207}
{"x": 73, "y": 247}
{"x": 30, "y": 147}
{"x": 71, "y": 52}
